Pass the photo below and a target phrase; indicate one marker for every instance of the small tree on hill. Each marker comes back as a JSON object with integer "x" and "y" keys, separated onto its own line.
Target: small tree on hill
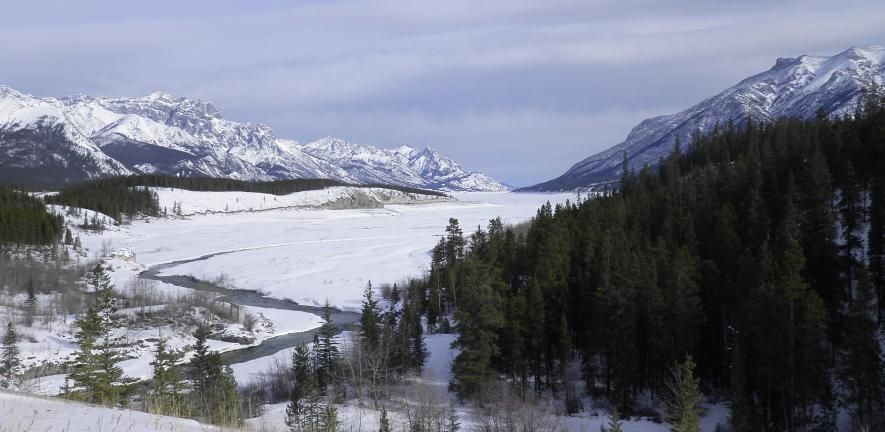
{"x": 10, "y": 363}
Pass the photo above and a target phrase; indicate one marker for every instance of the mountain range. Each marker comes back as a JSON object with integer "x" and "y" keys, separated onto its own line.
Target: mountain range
{"x": 53, "y": 141}
{"x": 794, "y": 87}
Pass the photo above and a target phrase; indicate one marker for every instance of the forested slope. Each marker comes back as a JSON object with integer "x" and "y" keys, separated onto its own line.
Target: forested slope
{"x": 24, "y": 220}
{"x": 759, "y": 253}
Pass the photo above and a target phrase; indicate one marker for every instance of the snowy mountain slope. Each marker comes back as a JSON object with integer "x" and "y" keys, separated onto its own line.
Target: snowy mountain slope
{"x": 407, "y": 165}
{"x": 38, "y": 144}
{"x": 180, "y": 136}
{"x": 793, "y": 87}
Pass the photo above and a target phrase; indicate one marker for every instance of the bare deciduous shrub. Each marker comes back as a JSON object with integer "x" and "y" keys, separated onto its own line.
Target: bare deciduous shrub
{"x": 504, "y": 411}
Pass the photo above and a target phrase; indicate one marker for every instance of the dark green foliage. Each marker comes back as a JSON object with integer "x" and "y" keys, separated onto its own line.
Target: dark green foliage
{"x": 10, "y": 362}
{"x": 370, "y": 318}
{"x": 736, "y": 243}
{"x": 97, "y": 377}
{"x": 129, "y": 196}
{"x": 25, "y": 221}
{"x": 479, "y": 319}
{"x": 214, "y": 391}
{"x": 326, "y": 350}
{"x": 30, "y": 303}
{"x": 168, "y": 382}
{"x": 684, "y": 399}
{"x": 304, "y": 384}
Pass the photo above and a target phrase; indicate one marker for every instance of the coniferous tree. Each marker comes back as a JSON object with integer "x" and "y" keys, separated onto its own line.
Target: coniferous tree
{"x": 684, "y": 399}
{"x": 10, "y": 362}
{"x": 383, "y": 421}
{"x": 95, "y": 370}
{"x": 326, "y": 350}
{"x": 478, "y": 318}
{"x": 303, "y": 384}
{"x": 30, "y": 303}
{"x": 214, "y": 386}
{"x": 168, "y": 382}
{"x": 862, "y": 371}
{"x": 370, "y": 318}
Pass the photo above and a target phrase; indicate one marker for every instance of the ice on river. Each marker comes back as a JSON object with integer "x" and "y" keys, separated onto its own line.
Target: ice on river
{"x": 313, "y": 255}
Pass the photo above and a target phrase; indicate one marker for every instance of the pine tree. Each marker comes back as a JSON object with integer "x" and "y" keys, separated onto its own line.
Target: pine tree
{"x": 167, "y": 381}
{"x": 97, "y": 279}
{"x": 370, "y": 318}
{"x": 85, "y": 368}
{"x": 684, "y": 401}
{"x": 95, "y": 370}
{"x": 452, "y": 423}
{"x": 383, "y": 421}
{"x": 739, "y": 416}
{"x": 214, "y": 385}
{"x": 326, "y": 349}
{"x": 418, "y": 348}
{"x": 303, "y": 384}
{"x": 863, "y": 367}
{"x": 479, "y": 318}
{"x": 10, "y": 363}
{"x": 30, "y": 303}
{"x": 200, "y": 370}
{"x": 614, "y": 423}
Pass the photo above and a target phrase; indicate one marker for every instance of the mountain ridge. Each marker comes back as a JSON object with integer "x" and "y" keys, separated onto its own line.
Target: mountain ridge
{"x": 162, "y": 134}
{"x": 793, "y": 87}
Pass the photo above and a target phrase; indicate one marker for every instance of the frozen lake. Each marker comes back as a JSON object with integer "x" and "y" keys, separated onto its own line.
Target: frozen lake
{"x": 312, "y": 255}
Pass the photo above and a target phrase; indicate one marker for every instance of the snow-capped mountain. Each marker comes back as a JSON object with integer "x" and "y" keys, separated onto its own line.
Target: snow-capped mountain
{"x": 425, "y": 168}
{"x": 56, "y": 140}
{"x": 39, "y": 145}
{"x": 793, "y": 87}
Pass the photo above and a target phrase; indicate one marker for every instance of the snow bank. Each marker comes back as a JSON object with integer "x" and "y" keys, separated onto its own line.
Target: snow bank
{"x": 23, "y": 413}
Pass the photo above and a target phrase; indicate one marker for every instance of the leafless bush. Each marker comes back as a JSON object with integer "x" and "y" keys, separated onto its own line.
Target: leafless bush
{"x": 249, "y": 322}
{"x": 274, "y": 384}
{"x": 504, "y": 411}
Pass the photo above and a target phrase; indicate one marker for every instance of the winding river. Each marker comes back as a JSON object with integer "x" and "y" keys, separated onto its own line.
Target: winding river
{"x": 269, "y": 346}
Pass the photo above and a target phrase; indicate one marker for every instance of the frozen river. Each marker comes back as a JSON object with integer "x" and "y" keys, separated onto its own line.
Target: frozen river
{"x": 312, "y": 255}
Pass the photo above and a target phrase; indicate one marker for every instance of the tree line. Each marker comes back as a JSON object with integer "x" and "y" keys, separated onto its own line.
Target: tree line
{"x": 757, "y": 253}
{"x": 25, "y": 221}
{"x": 130, "y": 196}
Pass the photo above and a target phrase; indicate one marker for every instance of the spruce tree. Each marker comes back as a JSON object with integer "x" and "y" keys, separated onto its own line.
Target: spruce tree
{"x": 97, "y": 279}
{"x": 614, "y": 424}
{"x": 684, "y": 399}
{"x": 862, "y": 371}
{"x": 326, "y": 349}
{"x": 370, "y": 318}
{"x": 95, "y": 372}
{"x": 168, "y": 382}
{"x": 30, "y": 303}
{"x": 417, "y": 348}
{"x": 303, "y": 384}
{"x": 10, "y": 362}
{"x": 479, "y": 318}
{"x": 383, "y": 421}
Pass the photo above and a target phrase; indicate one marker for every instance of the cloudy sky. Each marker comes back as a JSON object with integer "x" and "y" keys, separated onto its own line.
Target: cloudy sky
{"x": 518, "y": 89}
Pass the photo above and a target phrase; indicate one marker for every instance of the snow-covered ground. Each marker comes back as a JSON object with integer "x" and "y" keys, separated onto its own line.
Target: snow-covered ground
{"x": 24, "y": 413}
{"x": 299, "y": 251}
{"x": 313, "y": 255}
{"x": 190, "y": 203}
